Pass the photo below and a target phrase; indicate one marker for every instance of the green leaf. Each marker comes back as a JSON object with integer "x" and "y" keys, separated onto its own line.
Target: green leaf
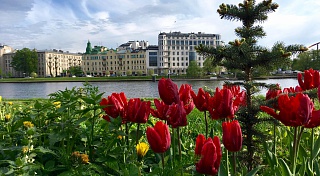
{"x": 285, "y": 170}
{"x": 222, "y": 170}
{"x": 254, "y": 171}
{"x": 316, "y": 149}
{"x": 316, "y": 168}
{"x": 49, "y": 165}
{"x": 303, "y": 167}
{"x": 37, "y": 105}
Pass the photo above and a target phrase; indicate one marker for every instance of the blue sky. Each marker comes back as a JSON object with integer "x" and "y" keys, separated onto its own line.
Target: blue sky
{"x": 69, "y": 24}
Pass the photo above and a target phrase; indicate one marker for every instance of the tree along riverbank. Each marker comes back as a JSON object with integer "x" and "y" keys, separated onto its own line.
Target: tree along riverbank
{"x": 129, "y": 78}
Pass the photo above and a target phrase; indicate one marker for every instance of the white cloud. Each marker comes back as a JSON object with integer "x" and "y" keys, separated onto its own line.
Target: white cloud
{"x": 67, "y": 24}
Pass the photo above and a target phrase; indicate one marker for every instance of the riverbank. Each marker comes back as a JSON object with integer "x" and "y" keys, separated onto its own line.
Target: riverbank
{"x": 127, "y": 79}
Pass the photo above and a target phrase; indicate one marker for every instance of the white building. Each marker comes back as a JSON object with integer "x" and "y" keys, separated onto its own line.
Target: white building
{"x": 177, "y": 49}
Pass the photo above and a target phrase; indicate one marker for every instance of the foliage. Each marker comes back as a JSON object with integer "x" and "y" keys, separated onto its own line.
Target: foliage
{"x": 244, "y": 54}
{"x": 193, "y": 69}
{"x": 129, "y": 73}
{"x": 75, "y": 70}
{"x": 25, "y": 60}
{"x": 150, "y": 72}
{"x": 307, "y": 60}
{"x": 33, "y": 74}
{"x": 139, "y": 73}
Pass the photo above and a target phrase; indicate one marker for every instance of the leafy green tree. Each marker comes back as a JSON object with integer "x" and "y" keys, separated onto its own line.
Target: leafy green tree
{"x": 150, "y": 72}
{"x": 193, "y": 69}
{"x": 139, "y": 73}
{"x": 307, "y": 60}
{"x": 75, "y": 70}
{"x": 33, "y": 74}
{"x": 129, "y": 73}
{"x": 244, "y": 54}
{"x": 208, "y": 67}
{"x": 25, "y": 60}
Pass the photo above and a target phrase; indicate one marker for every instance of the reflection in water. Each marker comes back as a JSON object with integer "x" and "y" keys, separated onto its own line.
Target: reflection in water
{"x": 142, "y": 89}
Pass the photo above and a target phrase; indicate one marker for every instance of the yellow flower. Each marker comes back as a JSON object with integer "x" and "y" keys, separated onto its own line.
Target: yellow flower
{"x": 57, "y": 104}
{"x": 7, "y": 117}
{"x": 142, "y": 149}
{"x": 84, "y": 158}
{"x": 119, "y": 137}
{"x": 25, "y": 149}
{"x": 27, "y": 124}
{"x": 10, "y": 103}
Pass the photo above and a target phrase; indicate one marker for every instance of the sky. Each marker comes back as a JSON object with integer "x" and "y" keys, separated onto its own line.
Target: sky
{"x": 68, "y": 24}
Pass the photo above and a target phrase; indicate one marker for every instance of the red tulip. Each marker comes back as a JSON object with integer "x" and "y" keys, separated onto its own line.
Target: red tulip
{"x": 185, "y": 96}
{"x": 159, "y": 137}
{"x": 221, "y": 104}
{"x": 137, "y": 111}
{"x": 161, "y": 110}
{"x": 232, "y": 136}
{"x": 211, "y": 154}
{"x": 273, "y": 92}
{"x": 293, "y": 111}
{"x": 292, "y": 90}
{"x": 314, "y": 121}
{"x": 311, "y": 79}
{"x": 168, "y": 91}
{"x": 201, "y": 99}
{"x": 114, "y": 105}
{"x": 201, "y": 139}
{"x": 177, "y": 115}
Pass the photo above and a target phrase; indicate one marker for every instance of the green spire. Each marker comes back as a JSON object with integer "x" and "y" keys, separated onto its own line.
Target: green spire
{"x": 89, "y": 48}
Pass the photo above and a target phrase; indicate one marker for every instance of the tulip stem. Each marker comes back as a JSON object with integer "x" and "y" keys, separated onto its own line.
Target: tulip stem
{"x": 162, "y": 159}
{"x": 179, "y": 145}
{"x": 127, "y": 133}
{"x": 205, "y": 118}
{"x": 234, "y": 163}
{"x": 294, "y": 150}
{"x": 296, "y": 140}
{"x": 173, "y": 148}
{"x": 137, "y": 139}
{"x": 227, "y": 160}
{"x": 311, "y": 149}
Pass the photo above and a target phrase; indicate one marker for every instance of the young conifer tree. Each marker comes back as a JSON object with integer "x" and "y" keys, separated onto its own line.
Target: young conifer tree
{"x": 246, "y": 55}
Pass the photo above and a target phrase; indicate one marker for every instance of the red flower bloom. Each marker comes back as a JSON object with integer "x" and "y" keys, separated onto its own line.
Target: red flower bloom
{"x": 211, "y": 154}
{"x": 273, "y": 92}
{"x": 201, "y": 99}
{"x": 232, "y": 136}
{"x": 137, "y": 111}
{"x": 114, "y": 105}
{"x": 177, "y": 115}
{"x": 224, "y": 104}
{"x": 201, "y": 139}
{"x": 161, "y": 110}
{"x": 311, "y": 79}
{"x": 159, "y": 137}
{"x": 185, "y": 96}
{"x": 314, "y": 121}
{"x": 294, "y": 111}
{"x": 168, "y": 91}
{"x": 292, "y": 90}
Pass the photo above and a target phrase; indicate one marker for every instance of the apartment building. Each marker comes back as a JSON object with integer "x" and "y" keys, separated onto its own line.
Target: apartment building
{"x": 177, "y": 49}
{"x": 4, "y": 49}
{"x": 50, "y": 63}
{"x": 128, "y": 58}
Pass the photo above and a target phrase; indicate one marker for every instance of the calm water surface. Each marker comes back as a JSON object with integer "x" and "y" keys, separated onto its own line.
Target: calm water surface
{"x": 141, "y": 89}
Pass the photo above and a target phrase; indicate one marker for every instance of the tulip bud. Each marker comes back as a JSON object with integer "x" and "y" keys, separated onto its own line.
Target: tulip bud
{"x": 159, "y": 137}
{"x": 232, "y": 136}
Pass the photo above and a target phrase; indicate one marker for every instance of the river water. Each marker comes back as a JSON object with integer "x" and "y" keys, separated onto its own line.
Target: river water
{"x": 132, "y": 89}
